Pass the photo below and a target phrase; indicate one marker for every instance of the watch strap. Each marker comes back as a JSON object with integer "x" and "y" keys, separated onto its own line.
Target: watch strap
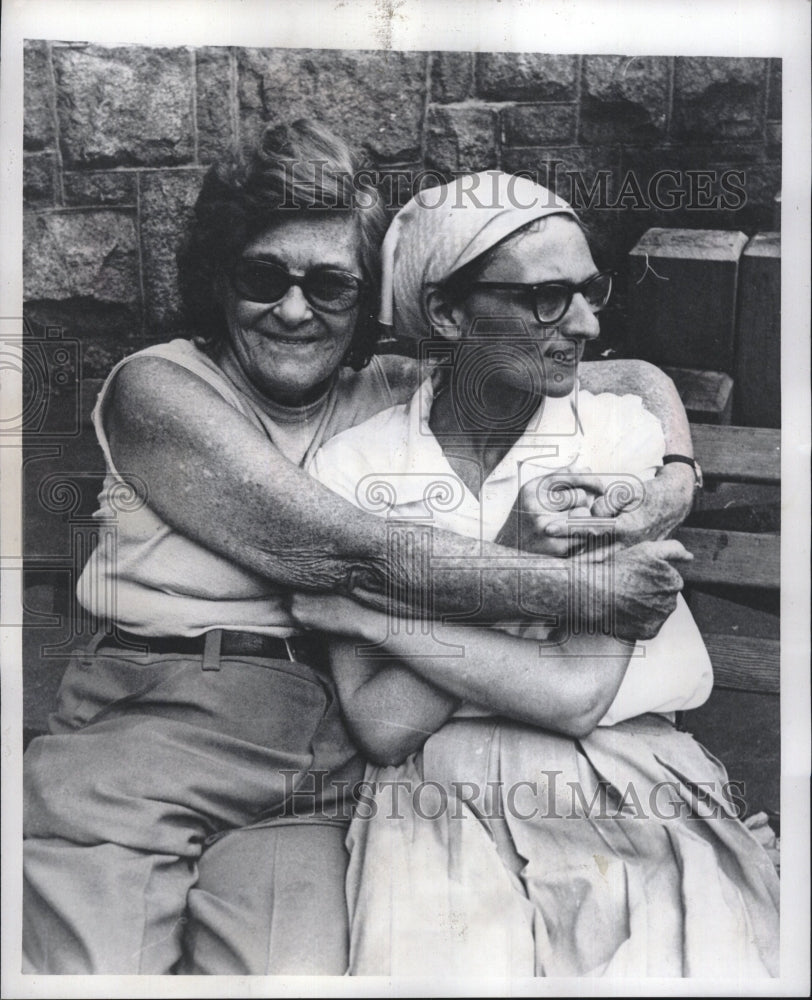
{"x": 667, "y": 459}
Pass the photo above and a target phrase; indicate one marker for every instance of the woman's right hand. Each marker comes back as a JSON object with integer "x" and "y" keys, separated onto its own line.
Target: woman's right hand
{"x": 642, "y": 586}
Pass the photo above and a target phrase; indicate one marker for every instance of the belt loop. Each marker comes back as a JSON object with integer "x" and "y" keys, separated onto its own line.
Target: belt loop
{"x": 211, "y": 649}
{"x": 89, "y": 651}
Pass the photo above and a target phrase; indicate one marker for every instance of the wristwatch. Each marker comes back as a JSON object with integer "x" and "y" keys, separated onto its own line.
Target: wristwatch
{"x": 699, "y": 482}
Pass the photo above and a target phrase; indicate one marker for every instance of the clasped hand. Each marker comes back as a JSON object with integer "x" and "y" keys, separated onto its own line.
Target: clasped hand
{"x": 560, "y": 513}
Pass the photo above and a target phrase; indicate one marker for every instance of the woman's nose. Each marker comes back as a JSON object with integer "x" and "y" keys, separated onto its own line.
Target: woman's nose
{"x": 293, "y": 308}
{"x": 579, "y": 320}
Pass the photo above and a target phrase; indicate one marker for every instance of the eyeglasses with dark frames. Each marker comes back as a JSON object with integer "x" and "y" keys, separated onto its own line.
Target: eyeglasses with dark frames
{"x": 552, "y": 299}
{"x": 327, "y": 289}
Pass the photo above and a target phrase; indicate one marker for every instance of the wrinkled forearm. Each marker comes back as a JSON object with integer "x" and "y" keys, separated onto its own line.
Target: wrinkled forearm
{"x": 483, "y": 581}
{"x": 214, "y": 477}
{"x": 668, "y": 500}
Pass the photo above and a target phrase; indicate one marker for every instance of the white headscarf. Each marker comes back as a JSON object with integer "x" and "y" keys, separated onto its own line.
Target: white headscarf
{"x": 444, "y": 228}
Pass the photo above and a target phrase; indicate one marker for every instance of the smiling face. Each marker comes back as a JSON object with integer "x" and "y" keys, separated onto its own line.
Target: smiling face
{"x": 288, "y": 349}
{"x": 533, "y": 358}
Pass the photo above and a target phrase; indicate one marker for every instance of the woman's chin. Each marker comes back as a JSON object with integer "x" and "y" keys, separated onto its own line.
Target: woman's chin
{"x": 559, "y": 382}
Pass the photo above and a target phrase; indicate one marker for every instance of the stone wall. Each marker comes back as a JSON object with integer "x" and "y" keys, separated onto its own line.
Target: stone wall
{"x": 117, "y": 140}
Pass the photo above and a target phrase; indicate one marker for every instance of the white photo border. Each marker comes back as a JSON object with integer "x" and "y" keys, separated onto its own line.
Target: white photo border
{"x": 764, "y": 28}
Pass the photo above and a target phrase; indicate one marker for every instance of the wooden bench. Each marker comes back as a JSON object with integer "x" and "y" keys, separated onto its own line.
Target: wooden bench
{"x": 732, "y": 587}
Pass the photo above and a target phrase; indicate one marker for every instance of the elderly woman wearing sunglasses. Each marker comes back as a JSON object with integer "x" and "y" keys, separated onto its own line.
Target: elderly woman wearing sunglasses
{"x": 188, "y": 808}
{"x": 554, "y": 822}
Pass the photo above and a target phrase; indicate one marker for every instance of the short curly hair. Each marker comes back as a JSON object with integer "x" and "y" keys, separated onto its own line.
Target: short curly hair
{"x": 299, "y": 167}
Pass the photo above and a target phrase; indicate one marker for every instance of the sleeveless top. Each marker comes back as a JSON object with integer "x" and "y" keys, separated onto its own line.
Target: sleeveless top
{"x": 151, "y": 579}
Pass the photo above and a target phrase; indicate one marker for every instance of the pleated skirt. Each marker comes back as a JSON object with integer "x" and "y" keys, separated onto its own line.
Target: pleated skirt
{"x": 502, "y": 850}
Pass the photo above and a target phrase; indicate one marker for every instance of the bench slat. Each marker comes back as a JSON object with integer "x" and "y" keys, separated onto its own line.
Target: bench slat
{"x": 733, "y": 557}
{"x": 743, "y": 454}
{"x": 745, "y": 663}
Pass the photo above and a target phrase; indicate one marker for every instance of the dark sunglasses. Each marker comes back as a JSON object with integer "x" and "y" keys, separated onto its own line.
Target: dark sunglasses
{"x": 552, "y": 299}
{"x": 327, "y": 289}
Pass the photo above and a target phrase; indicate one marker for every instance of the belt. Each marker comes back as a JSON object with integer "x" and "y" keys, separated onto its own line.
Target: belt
{"x": 309, "y": 648}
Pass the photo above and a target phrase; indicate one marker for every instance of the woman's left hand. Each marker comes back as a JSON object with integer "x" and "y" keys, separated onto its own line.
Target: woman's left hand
{"x": 649, "y": 514}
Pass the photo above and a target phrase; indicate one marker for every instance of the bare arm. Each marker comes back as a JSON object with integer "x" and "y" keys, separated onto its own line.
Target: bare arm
{"x": 669, "y": 497}
{"x": 654, "y": 387}
{"x": 391, "y": 711}
{"x": 666, "y": 500}
{"x": 213, "y": 476}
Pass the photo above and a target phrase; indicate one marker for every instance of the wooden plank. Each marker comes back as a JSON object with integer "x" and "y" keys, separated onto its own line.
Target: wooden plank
{"x": 737, "y": 612}
{"x": 732, "y": 557}
{"x": 737, "y": 507}
{"x": 745, "y": 663}
{"x": 745, "y": 454}
{"x": 706, "y": 396}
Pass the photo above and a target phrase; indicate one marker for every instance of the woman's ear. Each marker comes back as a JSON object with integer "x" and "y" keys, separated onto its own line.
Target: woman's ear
{"x": 444, "y": 316}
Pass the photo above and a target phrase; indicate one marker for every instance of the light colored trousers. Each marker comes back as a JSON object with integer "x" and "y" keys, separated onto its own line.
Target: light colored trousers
{"x": 188, "y": 820}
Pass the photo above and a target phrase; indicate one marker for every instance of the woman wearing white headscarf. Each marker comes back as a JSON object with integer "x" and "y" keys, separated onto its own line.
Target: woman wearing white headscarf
{"x": 554, "y": 822}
